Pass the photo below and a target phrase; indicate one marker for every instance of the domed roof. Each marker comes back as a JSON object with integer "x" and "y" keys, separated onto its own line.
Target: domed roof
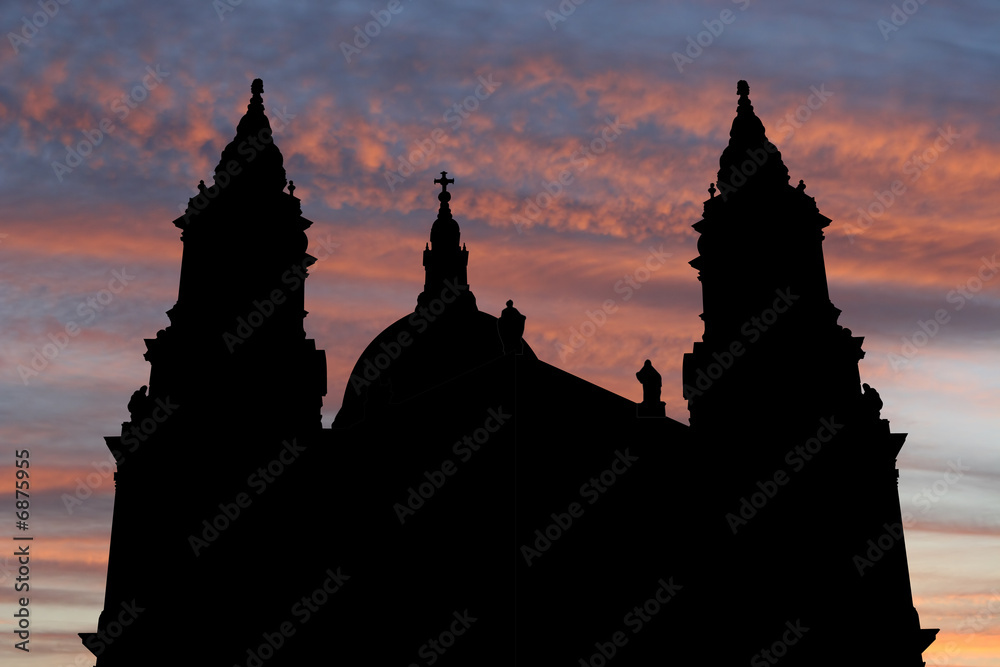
{"x": 443, "y": 338}
{"x": 445, "y": 232}
{"x": 418, "y": 352}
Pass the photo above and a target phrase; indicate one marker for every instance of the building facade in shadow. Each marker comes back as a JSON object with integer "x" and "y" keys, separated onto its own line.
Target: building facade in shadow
{"x": 475, "y": 505}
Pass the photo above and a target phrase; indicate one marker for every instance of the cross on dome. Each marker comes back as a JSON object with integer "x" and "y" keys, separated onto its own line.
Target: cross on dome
{"x": 444, "y": 181}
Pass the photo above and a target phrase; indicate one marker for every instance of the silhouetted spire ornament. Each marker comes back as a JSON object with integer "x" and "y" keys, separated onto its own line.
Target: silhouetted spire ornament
{"x": 251, "y": 160}
{"x": 250, "y": 169}
{"x": 750, "y": 157}
{"x": 445, "y": 260}
{"x": 444, "y": 181}
{"x": 444, "y": 196}
{"x": 652, "y": 383}
{"x": 511, "y": 328}
{"x": 445, "y": 230}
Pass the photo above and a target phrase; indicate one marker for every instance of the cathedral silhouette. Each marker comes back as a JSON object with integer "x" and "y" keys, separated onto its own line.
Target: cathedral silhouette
{"x": 474, "y": 505}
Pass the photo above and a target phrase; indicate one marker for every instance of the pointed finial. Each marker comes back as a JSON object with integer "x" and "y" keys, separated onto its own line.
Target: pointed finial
{"x": 746, "y": 137}
{"x": 291, "y": 188}
{"x": 256, "y": 101}
{"x": 711, "y": 190}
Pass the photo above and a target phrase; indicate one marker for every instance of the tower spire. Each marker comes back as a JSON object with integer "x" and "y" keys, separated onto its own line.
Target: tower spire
{"x": 750, "y": 157}
{"x": 234, "y": 380}
{"x": 251, "y": 160}
{"x": 444, "y": 196}
{"x": 760, "y": 251}
{"x": 446, "y": 260}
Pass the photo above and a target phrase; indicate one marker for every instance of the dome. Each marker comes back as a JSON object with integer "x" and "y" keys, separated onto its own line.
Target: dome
{"x": 445, "y": 233}
{"x": 444, "y": 337}
{"x": 417, "y": 352}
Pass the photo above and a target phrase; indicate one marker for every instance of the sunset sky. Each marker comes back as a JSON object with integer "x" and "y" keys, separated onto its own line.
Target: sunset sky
{"x": 888, "y": 112}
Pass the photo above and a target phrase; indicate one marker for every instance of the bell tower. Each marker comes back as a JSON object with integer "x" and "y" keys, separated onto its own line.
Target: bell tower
{"x": 777, "y": 407}
{"x": 766, "y": 306}
{"x": 235, "y": 388}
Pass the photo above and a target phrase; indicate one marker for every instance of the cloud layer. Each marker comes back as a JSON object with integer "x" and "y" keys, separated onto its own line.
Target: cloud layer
{"x": 894, "y": 132}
